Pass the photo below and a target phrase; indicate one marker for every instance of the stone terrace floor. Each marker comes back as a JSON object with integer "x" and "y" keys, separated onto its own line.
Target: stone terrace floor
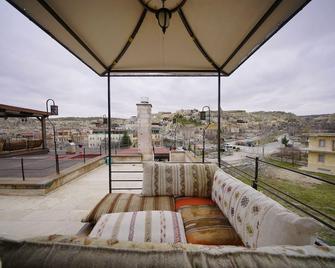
{"x": 61, "y": 211}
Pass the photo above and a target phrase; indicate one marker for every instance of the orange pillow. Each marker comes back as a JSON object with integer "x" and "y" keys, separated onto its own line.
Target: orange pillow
{"x": 206, "y": 225}
{"x": 192, "y": 201}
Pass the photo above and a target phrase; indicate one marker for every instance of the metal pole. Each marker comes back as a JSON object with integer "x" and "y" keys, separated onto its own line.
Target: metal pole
{"x": 100, "y": 149}
{"x": 105, "y": 143}
{"x": 175, "y": 137}
{"x": 22, "y": 170}
{"x": 109, "y": 136}
{"x": 84, "y": 156}
{"x": 219, "y": 118}
{"x": 57, "y": 164}
{"x": 54, "y": 131}
{"x": 55, "y": 145}
{"x": 254, "y": 183}
{"x": 203, "y": 146}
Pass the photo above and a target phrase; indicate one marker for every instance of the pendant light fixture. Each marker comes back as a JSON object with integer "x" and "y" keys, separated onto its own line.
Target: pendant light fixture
{"x": 163, "y": 16}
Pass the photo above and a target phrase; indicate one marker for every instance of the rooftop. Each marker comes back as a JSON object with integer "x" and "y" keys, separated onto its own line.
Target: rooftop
{"x": 14, "y": 111}
{"x": 322, "y": 135}
{"x": 60, "y": 211}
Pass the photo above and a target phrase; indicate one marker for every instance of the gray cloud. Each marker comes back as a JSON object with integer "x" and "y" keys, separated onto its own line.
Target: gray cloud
{"x": 292, "y": 72}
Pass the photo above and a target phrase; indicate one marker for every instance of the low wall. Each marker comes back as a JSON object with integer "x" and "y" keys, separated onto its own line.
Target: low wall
{"x": 32, "y": 151}
{"x": 189, "y": 157}
{"x": 50, "y": 183}
{"x": 183, "y": 156}
{"x": 127, "y": 158}
{"x": 177, "y": 156}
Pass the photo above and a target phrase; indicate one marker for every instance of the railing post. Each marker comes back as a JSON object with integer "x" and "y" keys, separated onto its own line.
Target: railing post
{"x": 203, "y": 145}
{"x": 254, "y": 183}
{"x": 84, "y": 156}
{"x": 22, "y": 169}
{"x": 57, "y": 163}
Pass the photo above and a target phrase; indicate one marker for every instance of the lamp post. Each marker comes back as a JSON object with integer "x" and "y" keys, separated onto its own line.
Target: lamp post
{"x": 175, "y": 121}
{"x": 203, "y": 117}
{"x": 104, "y": 121}
{"x": 53, "y": 111}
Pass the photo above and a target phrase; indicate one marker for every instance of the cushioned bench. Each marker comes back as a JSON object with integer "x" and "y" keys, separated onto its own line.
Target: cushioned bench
{"x": 220, "y": 210}
{"x": 194, "y": 202}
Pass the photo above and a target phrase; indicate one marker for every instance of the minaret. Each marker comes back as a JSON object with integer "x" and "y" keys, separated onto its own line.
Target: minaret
{"x": 144, "y": 129}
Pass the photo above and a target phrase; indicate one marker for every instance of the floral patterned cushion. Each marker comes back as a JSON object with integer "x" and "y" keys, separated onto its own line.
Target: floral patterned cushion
{"x": 259, "y": 220}
{"x": 141, "y": 226}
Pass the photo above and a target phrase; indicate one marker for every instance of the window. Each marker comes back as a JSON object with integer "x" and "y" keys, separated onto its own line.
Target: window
{"x": 321, "y": 158}
{"x": 322, "y": 143}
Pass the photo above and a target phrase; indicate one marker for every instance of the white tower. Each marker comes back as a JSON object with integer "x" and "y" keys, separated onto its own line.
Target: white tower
{"x": 144, "y": 129}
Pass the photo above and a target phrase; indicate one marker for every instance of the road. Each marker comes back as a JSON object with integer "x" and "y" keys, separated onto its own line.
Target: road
{"x": 264, "y": 150}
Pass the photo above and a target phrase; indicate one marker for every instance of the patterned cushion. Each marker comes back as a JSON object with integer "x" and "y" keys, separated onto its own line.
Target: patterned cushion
{"x": 259, "y": 220}
{"x": 192, "y": 201}
{"x": 141, "y": 226}
{"x": 206, "y": 225}
{"x": 124, "y": 202}
{"x": 72, "y": 251}
{"x": 178, "y": 179}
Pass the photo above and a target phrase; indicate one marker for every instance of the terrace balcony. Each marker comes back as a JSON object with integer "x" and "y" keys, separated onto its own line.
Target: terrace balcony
{"x": 257, "y": 231}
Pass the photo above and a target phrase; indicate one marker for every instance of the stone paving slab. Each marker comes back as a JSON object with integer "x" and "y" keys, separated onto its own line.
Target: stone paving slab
{"x": 61, "y": 210}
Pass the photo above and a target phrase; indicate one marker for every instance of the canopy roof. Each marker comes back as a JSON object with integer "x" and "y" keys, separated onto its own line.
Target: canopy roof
{"x": 13, "y": 111}
{"x": 123, "y": 36}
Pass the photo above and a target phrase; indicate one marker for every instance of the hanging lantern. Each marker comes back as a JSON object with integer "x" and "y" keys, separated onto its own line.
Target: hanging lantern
{"x": 53, "y": 109}
{"x": 163, "y": 16}
{"x": 203, "y": 115}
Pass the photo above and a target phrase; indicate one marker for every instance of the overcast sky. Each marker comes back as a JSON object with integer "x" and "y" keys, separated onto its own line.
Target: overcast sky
{"x": 293, "y": 72}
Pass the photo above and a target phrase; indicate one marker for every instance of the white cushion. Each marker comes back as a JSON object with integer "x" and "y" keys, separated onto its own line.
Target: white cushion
{"x": 259, "y": 220}
{"x": 141, "y": 226}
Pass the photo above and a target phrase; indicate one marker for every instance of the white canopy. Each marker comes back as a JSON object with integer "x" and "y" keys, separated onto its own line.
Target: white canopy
{"x": 204, "y": 36}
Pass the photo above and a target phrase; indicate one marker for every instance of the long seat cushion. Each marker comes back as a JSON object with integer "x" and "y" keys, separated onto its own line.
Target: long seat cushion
{"x": 141, "y": 226}
{"x": 259, "y": 220}
{"x": 178, "y": 179}
{"x": 125, "y": 202}
{"x": 204, "y": 222}
{"x": 73, "y": 251}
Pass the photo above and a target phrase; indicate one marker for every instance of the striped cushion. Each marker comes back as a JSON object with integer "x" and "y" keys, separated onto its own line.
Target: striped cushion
{"x": 141, "y": 226}
{"x": 206, "y": 225}
{"x": 125, "y": 202}
{"x": 178, "y": 179}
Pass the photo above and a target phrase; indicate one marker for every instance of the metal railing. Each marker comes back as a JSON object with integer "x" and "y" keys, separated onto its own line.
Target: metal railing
{"x": 258, "y": 182}
{"x": 113, "y": 171}
{"x": 23, "y": 168}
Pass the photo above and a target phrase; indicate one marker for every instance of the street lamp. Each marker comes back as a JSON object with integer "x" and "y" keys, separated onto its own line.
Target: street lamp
{"x": 203, "y": 117}
{"x": 53, "y": 111}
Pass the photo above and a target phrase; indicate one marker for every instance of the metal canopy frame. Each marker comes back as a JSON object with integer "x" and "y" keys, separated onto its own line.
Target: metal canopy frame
{"x": 217, "y": 70}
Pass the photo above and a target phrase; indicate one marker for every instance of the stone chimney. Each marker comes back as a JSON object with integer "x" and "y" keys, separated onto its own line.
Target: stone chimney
{"x": 144, "y": 129}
